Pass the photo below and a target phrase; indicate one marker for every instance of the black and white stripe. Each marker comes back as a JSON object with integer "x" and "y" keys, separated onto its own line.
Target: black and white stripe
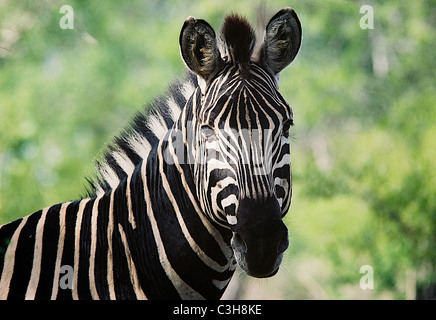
{"x": 159, "y": 220}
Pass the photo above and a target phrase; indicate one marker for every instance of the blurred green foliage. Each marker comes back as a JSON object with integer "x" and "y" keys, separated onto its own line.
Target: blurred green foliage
{"x": 363, "y": 148}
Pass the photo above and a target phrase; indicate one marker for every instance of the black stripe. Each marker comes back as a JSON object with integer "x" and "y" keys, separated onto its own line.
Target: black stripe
{"x": 122, "y": 282}
{"x": 49, "y": 252}
{"x": 24, "y": 258}
{"x": 69, "y": 246}
{"x": 100, "y": 271}
{"x": 84, "y": 251}
{"x": 6, "y": 233}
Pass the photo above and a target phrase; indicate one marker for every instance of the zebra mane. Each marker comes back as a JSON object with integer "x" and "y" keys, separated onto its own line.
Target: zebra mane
{"x": 149, "y": 126}
{"x": 239, "y": 38}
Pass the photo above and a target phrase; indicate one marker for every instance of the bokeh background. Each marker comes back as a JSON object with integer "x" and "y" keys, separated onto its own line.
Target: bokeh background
{"x": 363, "y": 147}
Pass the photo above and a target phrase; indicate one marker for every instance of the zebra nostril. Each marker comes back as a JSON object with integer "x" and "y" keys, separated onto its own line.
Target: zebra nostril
{"x": 238, "y": 243}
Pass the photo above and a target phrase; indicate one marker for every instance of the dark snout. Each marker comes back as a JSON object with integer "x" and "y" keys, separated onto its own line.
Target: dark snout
{"x": 260, "y": 237}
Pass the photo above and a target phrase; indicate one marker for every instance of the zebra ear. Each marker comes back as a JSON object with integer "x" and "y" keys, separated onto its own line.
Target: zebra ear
{"x": 282, "y": 41}
{"x": 199, "y": 48}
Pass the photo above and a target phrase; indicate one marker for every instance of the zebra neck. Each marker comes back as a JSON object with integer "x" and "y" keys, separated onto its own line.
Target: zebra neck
{"x": 156, "y": 219}
{"x": 180, "y": 230}
{"x": 135, "y": 241}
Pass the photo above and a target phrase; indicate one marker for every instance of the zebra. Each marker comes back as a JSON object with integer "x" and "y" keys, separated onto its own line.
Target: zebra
{"x": 197, "y": 184}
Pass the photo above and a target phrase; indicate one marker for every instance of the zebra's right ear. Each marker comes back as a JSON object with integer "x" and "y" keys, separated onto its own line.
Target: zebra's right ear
{"x": 199, "y": 48}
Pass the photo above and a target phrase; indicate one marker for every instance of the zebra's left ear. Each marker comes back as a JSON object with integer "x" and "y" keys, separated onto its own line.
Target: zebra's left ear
{"x": 199, "y": 49}
{"x": 282, "y": 41}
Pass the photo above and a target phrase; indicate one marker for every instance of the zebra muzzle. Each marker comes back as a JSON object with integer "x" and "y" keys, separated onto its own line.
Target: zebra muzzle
{"x": 259, "y": 238}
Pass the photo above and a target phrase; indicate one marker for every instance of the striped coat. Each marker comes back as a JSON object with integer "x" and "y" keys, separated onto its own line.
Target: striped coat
{"x": 183, "y": 195}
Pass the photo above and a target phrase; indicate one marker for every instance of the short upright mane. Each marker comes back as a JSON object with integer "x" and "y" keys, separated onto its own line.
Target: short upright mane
{"x": 135, "y": 142}
{"x": 239, "y": 37}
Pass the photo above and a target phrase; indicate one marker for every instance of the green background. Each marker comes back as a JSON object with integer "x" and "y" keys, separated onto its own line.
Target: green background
{"x": 363, "y": 145}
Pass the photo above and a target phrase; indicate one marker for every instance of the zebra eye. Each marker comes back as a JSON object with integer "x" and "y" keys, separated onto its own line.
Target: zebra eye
{"x": 207, "y": 132}
{"x": 286, "y": 125}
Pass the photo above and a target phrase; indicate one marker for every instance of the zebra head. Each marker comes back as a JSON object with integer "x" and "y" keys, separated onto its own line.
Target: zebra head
{"x": 241, "y": 142}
